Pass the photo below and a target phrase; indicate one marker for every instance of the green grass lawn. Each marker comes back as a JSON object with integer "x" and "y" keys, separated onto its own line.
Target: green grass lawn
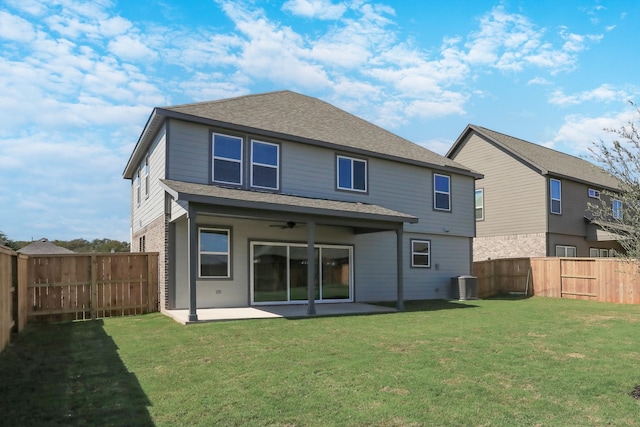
{"x": 496, "y": 362}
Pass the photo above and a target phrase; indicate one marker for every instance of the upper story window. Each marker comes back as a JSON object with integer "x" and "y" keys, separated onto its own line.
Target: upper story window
{"x": 146, "y": 176}
{"x": 616, "y": 207}
{"x": 214, "y": 250}
{"x": 441, "y": 192}
{"x": 479, "y": 204}
{"x": 555, "y": 193}
{"x": 227, "y": 159}
{"x": 137, "y": 186}
{"x": 594, "y": 194}
{"x": 351, "y": 174}
{"x": 265, "y": 162}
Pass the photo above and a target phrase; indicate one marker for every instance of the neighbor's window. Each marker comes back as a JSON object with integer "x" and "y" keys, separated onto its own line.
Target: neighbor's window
{"x": 479, "y": 204}
{"x": 227, "y": 159}
{"x": 565, "y": 251}
{"x": 594, "y": 194}
{"x": 555, "y": 192}
{"x": 351, "y": 174}
{"x": 421, "y": 253}
{"x": 594, "y": 252}
{"x": 214, "y": 253}
{"x": 441, "y": 192}
{"x": 265, "y": 161}
{"x": 616, "y": 206}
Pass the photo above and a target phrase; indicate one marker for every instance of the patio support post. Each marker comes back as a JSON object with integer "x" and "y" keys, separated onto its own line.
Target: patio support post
{"x": 311, "y": 267}
{"x": 400, "y": 264}
{"x": 193, "y": 261}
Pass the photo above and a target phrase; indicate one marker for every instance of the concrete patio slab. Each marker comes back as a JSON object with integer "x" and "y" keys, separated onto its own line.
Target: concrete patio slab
{"x": 276, "y": 311}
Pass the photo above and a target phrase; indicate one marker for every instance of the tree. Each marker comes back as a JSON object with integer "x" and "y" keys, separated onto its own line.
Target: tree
{"x": 4, "y": 240}
{"x": 618, "y": 213}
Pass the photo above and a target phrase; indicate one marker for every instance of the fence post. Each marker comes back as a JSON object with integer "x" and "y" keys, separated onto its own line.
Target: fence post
{"x": 94, "y": 287}
{"x": 148, "y": 290}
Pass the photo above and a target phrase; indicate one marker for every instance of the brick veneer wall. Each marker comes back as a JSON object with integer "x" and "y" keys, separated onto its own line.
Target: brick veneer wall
{"x": 510, "y": 246}
{"x": 156, "y": 240}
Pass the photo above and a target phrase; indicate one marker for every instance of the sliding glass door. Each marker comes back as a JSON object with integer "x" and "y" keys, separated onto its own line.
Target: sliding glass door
{"x": 279, "y": 273}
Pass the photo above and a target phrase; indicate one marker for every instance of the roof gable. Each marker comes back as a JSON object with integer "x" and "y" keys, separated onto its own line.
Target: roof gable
{"x": 545, "y": 160}
{"x": 290, "y": 115}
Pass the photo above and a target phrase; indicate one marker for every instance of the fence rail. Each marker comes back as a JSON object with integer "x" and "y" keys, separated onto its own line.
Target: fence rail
{"x": 598, "y": 279}
{"x": 42, "y": 288}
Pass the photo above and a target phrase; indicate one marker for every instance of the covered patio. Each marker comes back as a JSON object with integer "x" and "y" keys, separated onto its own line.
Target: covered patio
{"x": 277, "y": 311}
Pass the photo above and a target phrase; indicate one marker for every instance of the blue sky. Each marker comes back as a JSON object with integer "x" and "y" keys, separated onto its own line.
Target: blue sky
{"x": 78, "y": 81}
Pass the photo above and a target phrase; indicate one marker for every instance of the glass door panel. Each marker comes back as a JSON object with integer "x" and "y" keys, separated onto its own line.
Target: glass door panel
{"x": 336, "y": 273}
{"x": 270, "y": 273}
{"x": 298, "y": 273}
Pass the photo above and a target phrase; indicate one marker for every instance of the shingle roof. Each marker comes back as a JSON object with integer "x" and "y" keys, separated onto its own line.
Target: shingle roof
{"x": 292, "y": 115}
{"x": 546, "y": 160}
{"x": 43, "y": 247}
{"x": 272, "y": 201}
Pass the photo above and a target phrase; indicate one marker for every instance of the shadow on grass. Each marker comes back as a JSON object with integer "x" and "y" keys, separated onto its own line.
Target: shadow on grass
{"x": 433, "y": 305}
{"x": 69, "y": 374}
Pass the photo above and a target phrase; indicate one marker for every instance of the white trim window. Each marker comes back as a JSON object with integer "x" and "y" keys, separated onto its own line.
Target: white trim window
{"x": 441, "y": 192}
{"x": 479, "y": 204}
{"x": 616, "y": 208}
{"x": 146, "y": 176}
{"x": 594, "y": 252}
{"x": 566, "y": 251}
{"x": 351, "y": 174}
{"x": 137, "y": 186}
{"x": 265, "y": 165}
{"x": 420, "y": 253}
{"x": 227, "y": 159}
{"x": 594, "y": 194}
{"x": 214, "y": 253}
{"x": 555, "y": 195}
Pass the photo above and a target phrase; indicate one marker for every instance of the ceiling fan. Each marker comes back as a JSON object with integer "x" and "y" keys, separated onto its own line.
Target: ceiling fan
{"x": 288, "y": 224}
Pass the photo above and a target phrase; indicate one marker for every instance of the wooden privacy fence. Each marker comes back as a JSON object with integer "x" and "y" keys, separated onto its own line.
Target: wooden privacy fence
{"x": 88, "y": 286}
{"x": 598, "y": 279}
{"x": 7, "y": 293}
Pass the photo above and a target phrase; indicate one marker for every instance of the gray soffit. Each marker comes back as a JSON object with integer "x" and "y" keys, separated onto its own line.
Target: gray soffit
{"x": 545, "y": 160}
{"x": 300, "y": 118}
{"x": 248, "y": 199}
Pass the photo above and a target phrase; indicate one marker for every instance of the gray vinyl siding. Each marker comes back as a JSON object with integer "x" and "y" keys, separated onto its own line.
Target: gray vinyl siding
{"x": 375, "y": 273}
{"x": 152, "y": 205}
{"x": 575, "y": 200}
{"x": 515, "y": 196}
{"x": 189, "y": 151}
{"x": 311, "y": 171}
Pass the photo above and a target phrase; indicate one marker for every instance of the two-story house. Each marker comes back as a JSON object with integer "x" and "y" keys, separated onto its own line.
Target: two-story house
{"x": 533, "y": 201}
{"x": 280, "y": 198}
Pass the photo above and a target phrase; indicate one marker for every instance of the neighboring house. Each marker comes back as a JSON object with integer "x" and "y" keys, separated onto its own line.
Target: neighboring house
{"x": 280, "y": 198}
{"x": 532, "y": 201}
{"x": 43, "y": 247}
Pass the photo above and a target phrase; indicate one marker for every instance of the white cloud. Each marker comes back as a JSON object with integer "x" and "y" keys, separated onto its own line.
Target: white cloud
{"x": 321, "y": 9}
{"x": 603, "y": 93}
{"x": 511, "y": 42}
{"x": 15, "y": 28}
{"x": 131, "y": 48}
{"x": 578, "y": 133}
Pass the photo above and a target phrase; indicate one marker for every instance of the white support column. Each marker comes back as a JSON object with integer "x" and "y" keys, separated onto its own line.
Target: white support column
{"x": 311, "y": 267}
{"x": 193, "y": 262}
